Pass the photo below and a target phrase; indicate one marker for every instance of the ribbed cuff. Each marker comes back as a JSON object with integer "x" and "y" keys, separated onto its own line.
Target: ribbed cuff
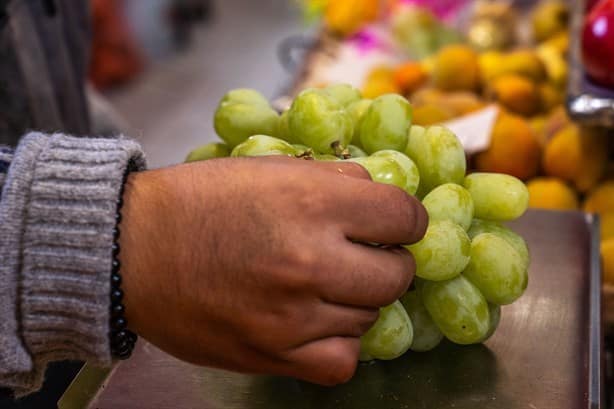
{"x": 66, "y": 238}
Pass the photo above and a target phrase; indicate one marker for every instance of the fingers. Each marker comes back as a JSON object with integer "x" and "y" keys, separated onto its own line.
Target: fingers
{"x": 329, "y": 361}
{"x": 383, "y": 214}
{"x": 366, "y": 211}
{"x": 292, "y": 324}
{"x": 344, "y": 169}
{"x": 361, "y": 275}
{"x": 340, "y": 320}
{"x": 374, "y": 212}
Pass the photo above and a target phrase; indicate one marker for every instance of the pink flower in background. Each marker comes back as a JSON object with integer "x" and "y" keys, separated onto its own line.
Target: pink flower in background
{"x": 443, "y": 9}
{"x": 369, "y": 39}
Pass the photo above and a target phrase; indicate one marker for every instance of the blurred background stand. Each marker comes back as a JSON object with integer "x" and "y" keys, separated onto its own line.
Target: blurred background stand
{"x": 183, "y": 16}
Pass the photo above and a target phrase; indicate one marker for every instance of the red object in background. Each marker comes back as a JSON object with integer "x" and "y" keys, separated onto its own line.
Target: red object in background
{"x": 115, "y": 56}
{"x": 590, "y": 4}
{"x": 598, "y": 43}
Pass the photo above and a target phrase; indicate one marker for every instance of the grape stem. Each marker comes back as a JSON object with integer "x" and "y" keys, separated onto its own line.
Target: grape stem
{"x": 340, "y": 151}
{"x": 307, "y": 155}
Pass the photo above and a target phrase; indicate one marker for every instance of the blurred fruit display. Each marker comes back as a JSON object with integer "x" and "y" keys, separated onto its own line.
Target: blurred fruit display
{"x": 563, "y": 163}
{"x": 452, "y": 61}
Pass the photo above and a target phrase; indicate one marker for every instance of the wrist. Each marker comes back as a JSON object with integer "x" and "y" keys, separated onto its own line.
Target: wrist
{"x": 135, "y": 233}
{"x": 121, "y": 339}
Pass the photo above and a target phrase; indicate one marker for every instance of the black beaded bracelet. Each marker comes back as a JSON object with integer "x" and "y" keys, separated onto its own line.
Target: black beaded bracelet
{"x": 121, "y": 339}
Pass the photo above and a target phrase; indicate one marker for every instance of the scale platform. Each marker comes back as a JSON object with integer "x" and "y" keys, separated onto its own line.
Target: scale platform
{"x": 546, "y": 354}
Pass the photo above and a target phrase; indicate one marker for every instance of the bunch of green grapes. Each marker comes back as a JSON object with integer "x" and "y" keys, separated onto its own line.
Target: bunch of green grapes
{"x": 468, "y": 264}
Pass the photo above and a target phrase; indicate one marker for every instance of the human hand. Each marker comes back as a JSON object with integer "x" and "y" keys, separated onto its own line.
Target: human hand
{"x": 252, "y": 265}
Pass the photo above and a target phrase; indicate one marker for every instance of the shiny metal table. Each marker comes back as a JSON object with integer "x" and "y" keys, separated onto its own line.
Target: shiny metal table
{"x": 545, "y": 355}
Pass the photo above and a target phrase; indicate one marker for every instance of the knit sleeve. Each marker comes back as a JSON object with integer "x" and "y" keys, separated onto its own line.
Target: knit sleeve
{"x": 57, "y": 214}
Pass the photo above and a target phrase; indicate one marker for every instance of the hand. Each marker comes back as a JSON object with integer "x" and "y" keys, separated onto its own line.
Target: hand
{"x": 252, "y": 265}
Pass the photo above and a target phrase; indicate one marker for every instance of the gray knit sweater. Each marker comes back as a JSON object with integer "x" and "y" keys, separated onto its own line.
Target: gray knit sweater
{"x": 57, "y": 213}
{"x": 58, "y": 195}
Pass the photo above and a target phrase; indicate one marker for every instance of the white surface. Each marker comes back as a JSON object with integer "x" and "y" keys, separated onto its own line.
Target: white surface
{"x": 475, "y": 130}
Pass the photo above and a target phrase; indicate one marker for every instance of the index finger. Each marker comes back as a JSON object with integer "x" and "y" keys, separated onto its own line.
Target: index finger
{"x": 383, "y": 214}
{"x": 345, "y": 168}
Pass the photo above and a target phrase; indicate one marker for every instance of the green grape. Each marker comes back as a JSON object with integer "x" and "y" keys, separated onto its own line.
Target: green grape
{"x": 386, "y": 123}
{"x": 418, "y": 283}
{"x": 236, "y": 121}
{"x": 391, "y": 335}
{"x": 344, "y": 94}
{"x": 209, "y": 151}
{"x": 357, "y": 111}
{"x": 301, "y": 148}
{"x": 263, "y": 145}
{"x": 244, "y": 96}
{"x": 408, "y": 165}
{"x": 384, "y": 170}
{"x": 496, "y": 196}
{"x": 356, "y": 152}
{"x": 426, "y": 333}
{"x": 494, "y": 311}
{"x": 317, "y": 120}
{"x": 484, "y": 226}
{"x": 458, "y": 308}
{"x": 325, "y": 157}
{"x": 439, "y": 156}
{"x": 283, "y": 129}
{"x": 443, "y": 253}
{"x": 450, "y": 202}
{"x": 496, "y": 269}
{"x": 304, "y": 151}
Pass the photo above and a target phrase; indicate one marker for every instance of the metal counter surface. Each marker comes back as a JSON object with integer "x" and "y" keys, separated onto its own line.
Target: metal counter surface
{"x": 545, "y": 354}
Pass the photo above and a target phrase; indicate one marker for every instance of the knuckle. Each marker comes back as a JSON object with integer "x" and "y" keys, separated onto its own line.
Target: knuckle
{"x": 303, "y": 258}
{"x": 270, "y": 331}
{"x": 302, "y": 270}
{"x": 308, "y": 266}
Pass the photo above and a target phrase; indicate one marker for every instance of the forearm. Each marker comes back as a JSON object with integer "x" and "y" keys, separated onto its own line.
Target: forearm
{"x": 57, "y": 213}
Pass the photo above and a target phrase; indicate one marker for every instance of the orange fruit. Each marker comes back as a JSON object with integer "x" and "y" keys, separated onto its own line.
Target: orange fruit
{"x": 456, "y": 68}
{"x": 430, "y": 114}
{"x": 380, "y": 81}
{"x": 516, "y": 93}
{"x": 607, "y": 225}
{"x": 410, "y": 76}
{"x": 577, "y": 155}
{"x": 513, "y": 149}
{"x": 607, "y": 260}
{"x": 601, "y": 199}
{"x": 347, "y": 16}
{"x": 551, "y": 193}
